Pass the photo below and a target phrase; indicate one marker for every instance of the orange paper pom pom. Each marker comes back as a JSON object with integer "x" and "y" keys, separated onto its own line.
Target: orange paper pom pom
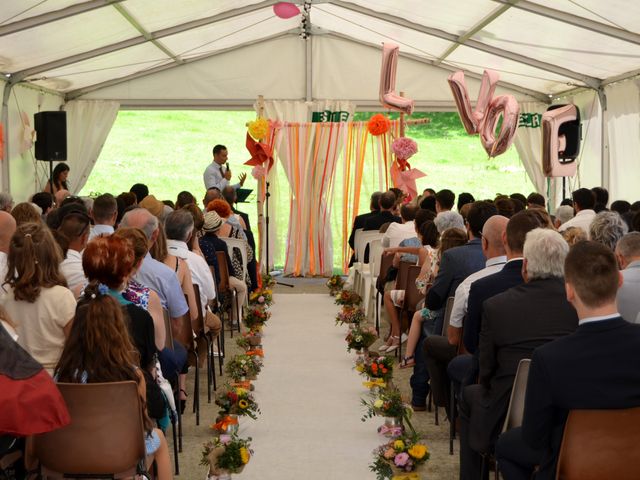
{"x": 378, "y": 124}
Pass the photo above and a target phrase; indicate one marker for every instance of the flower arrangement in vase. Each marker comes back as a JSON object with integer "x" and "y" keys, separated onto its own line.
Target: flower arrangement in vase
{"x": 351, "y": 315}
{"x": 237, "y": 401}
{"x": 268, "y": 281}
{"x": 335, "y": 284}
{"x": 262, "y": 297}
{"x": 389, "y": 404}
{"x": 255, "y": 317}
{"x": 379, "y": 367}
{"x": 348, "y": 297}
{"x": 360, "y": 338}
{"x": 402, "y": 455}
{"x": 225, "y": 455}
{"x": 243, "y": 367}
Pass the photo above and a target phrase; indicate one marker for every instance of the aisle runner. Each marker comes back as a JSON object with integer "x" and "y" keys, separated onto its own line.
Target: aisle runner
{"x": 309, "y": 395}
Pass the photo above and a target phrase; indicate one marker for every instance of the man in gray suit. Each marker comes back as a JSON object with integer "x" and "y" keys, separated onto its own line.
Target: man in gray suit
{"x": 628, "y": 297}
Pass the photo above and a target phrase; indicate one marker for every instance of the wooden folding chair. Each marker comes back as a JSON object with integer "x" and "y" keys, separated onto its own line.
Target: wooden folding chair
{"x": 241, "y": 245}
{"x": 386, "y": 262}
{"x": 102, "y": 414}
{"x": 176, "y": 429}
{"x": 600, "y": 444}
{"x": 226, "y": 288}
{"x": 411, "y": 298}
{"x": 183, "y": 333}
{"x": 202, "y": 336}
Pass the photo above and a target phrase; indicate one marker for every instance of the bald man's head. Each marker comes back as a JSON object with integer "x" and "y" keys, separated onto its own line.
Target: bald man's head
{"x": 7, "y": 229}
{"x": 492, "y": 233}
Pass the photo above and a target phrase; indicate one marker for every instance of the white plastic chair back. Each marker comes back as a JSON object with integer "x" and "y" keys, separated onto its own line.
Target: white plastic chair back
{"x": 356, "y": 243}
{"x": 375, "y": 254}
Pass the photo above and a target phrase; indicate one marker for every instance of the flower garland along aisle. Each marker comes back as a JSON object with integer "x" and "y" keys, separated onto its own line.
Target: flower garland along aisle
{"x": 402, "y": 456}
{"x": 227, "y": 453}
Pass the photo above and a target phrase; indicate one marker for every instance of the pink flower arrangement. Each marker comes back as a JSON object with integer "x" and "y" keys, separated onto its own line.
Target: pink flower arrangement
{"x": 258, "y": 172}
{"x": 404, "y": 148}
{"x": 401, "y": 459}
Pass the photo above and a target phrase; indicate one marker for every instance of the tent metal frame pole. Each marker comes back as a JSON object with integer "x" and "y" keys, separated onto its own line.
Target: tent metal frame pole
{"x": 73, "y": 94}
{"x": 43, "y": 19}
{"x": 476, "y": 45}
{"x": 132, "y": 42}
{"x": 539, "y": 96}
{"x": 574, "y": 20}
{"x": 605, "y": 160}
{"x": 473, "y": 30}
{"x": 309, "y": 68}
{"x": 6, "y": 170}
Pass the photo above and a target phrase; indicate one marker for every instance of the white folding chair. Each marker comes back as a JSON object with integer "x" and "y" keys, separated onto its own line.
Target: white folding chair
{"x": 375, "y": 255}
{"x": 365, "y": 238}
{"x": 241, "y": 245}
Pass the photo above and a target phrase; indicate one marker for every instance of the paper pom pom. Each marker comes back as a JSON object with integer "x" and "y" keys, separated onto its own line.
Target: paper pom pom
{"x": 258, "y": 128}
{"x": 258, "y": 172}
{"x": 404, "y": 148}
{"x": 378, "y": 124}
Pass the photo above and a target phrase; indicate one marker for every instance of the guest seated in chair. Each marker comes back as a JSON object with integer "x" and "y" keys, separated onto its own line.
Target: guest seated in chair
{"x": 99, "y": 349}
{"x": 514, "y": 323}
{"x": 594, "y": 368}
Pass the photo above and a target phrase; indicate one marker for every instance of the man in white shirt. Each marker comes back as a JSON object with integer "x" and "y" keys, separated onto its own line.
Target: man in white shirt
{"x": 439, "y": 350}
{"x": 217, "y": 174}
{"x": 179, "y": 229}
{"x": 628, "y": 296}
{"x": 7, "y": 229}
{"x": 398, "y": 232}
{"x": 73, "y": 233}
{"x": 104, "y": 213}
{"x": 583, "y": 203}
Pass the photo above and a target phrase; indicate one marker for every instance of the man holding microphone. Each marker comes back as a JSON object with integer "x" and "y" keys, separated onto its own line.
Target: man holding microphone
{"x": 217, "y": 174}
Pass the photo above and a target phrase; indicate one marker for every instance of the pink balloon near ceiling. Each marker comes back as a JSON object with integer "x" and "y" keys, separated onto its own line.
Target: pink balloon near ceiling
{"x": 286, "y": 10}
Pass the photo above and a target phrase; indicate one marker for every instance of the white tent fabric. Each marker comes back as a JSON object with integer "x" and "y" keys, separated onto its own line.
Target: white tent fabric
{"x": 223, "y": 54}
{"x": 88, "y": 122}
{"x": 528, "y": 142}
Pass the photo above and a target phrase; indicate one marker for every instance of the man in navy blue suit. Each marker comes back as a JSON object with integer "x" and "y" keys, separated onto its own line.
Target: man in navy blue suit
{"x": 594, "y": 368}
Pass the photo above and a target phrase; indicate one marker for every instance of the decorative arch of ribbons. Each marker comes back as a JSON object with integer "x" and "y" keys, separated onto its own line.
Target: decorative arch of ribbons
{"x": 320, "y": 159}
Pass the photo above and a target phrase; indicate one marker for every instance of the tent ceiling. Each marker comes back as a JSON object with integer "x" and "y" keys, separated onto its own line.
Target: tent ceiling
{"x": 542, "y": 47}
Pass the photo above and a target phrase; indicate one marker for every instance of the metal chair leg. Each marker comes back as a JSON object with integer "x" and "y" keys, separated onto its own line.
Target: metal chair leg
{"x": 220, "y": 351}
{"x": 452, "y": 418}
{"x": 176, "y": 461}
{"x": 436, "y": 414}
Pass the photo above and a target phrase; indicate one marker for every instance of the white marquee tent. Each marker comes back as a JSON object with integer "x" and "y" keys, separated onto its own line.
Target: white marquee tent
{"x": 97, "y": 56}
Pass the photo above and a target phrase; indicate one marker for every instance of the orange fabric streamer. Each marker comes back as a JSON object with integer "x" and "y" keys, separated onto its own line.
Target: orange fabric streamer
{"x": 223, "y": 424}
{"x": 258, "y": 351}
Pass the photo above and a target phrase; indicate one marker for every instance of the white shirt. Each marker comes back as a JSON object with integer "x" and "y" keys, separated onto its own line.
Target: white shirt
{"x": 3, "y": 267}
{"x": 214, "y": 177}
{"x": 98, "y": 230}
{"x": 200, "y": 272}
{"x": 582, "y": 220}
{"x": 71, "y": 268}
{"x": 398, "y": 232}
{"x": 461, "y": 298}
{"x": 598, "y": 319}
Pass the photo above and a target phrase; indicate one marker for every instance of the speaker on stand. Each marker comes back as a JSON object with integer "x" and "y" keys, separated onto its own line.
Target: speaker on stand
{"x": 51, "y": 138}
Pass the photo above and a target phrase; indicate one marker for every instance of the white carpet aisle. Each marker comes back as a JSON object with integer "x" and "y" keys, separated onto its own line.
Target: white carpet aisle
{"x": 309, "y": 395}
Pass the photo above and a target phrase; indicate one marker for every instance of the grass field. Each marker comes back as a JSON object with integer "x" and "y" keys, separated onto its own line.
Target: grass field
{"x": 169, "y": 150}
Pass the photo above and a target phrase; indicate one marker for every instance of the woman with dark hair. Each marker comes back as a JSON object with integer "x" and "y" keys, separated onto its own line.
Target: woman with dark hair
{"x": 452, "y": 237}
{"x": 99, "y": 350}
{"x": 185, "y": 198}
{"x": 428, "y": 234}
{"x": 37, "y": 298}
{"x": 60, "y": 175}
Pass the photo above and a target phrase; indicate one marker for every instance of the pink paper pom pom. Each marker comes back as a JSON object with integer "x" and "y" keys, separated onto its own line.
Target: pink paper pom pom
{"x": 404, "y": 148}
{"x": 258, "y": 172}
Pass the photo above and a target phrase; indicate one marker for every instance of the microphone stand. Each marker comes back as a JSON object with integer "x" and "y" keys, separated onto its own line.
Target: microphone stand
{"x": 267, "y": 195}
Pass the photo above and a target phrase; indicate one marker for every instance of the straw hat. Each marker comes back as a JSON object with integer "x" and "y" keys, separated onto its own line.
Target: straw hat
{"x": 151, "y": 203}
{"x": 212, "y": 222}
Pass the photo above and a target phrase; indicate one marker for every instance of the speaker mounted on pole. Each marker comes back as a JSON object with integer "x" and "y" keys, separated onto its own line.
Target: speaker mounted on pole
{"x": 51, "y": 138}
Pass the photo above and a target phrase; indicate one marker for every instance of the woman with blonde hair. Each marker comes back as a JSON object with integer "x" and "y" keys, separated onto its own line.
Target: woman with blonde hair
{"x": 99, "y": 349}
{"x": 37, "y": 299}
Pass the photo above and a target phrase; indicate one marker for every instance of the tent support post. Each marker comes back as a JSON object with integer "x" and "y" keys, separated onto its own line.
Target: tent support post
{"x": 309, "y": 68}
{"x": 605, "y": 160}
{"x": 6, "y": 171}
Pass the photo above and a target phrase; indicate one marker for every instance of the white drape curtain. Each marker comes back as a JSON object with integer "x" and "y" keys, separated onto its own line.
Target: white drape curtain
{"x": 88, "y": 125}
{"x": 528, "y": 142}
{"x": 623, "y": 128}
{"x": 308, "y": 153}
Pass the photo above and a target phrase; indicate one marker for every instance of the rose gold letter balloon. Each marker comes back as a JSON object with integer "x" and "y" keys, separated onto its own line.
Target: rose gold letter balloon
{"x": 507, "y": 106}
{"x": 472, "y": 119}
{"x": 388, "y": 96}
{"x": 560, "y": 139}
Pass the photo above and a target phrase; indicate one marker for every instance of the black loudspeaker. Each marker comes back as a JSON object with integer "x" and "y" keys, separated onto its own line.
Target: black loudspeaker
{"x": 51, "y": 136}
